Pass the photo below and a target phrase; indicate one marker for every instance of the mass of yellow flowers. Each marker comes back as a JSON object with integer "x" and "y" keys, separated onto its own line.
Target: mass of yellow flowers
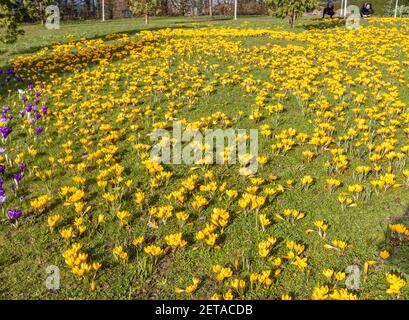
{"x": 332, "y": 118}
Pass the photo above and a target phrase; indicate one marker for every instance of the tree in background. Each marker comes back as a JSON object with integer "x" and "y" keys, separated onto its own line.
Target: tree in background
{"x": 250, "y": 7}
{"x": 164, "y": 7}
{"x": 292, "y": 8}
{"x": 9, "y": 16}
{"x": 145, "y": 7}
{"x": 36, "y": 9}
{"x": 182, "y": 7}
{"x": 402, "y": 10}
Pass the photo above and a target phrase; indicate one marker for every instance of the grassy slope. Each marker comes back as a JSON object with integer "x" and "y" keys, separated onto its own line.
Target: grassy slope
{"x": 25, "y": 251}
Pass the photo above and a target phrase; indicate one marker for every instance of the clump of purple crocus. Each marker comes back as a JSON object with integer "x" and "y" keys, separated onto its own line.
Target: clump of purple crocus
{"x": 5, "y": 132}
{"x": 14, "y": 214}
{"x": 38, "y": 130}
{"x": 31, "y": 108}
{"x": 17, "y": 178}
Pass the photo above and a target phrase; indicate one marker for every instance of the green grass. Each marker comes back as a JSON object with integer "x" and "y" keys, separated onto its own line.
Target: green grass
{"x": 37, "y": 37}
{"x": 27, "y": 250}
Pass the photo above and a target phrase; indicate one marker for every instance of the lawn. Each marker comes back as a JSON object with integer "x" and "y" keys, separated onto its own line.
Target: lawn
{"x": 331, "y": 193}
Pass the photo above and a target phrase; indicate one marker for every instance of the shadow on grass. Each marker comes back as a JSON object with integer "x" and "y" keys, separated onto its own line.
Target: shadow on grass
{"x": 7, "y": 87}
{"x": 76, "y": 55}
{"x": 158, "y": 25}
{"x": 398, "y": 249}
{"x": 324, "y": 24}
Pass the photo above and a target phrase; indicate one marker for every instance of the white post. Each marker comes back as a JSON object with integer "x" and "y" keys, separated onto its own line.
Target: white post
{"x": 345, "y": 8}
{"x": 341, "y": 14}
{"x": 103, "y": 10}
{"x": 396, "y": 8}
{"x": 235, "y": 9}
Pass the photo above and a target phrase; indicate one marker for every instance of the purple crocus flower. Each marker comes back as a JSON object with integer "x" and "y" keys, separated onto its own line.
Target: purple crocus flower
{"x": 36, "y": 101}
{"x": 4, "y": 131}
{"x": 2, "y": 150}
{"x": 37, "y": 115}
{"x": 38, "y": 130}
{"x": 44, "y": 110}
{"x": 3, "y": 199}
{"x": 3, "y": 196}
{"x": 17, "y": 178}
{"x": 14, "y": 214}
{"x": 2, "y": 168}
{"x": 41, "y": 86}
{"x": 24, "y": 99}
{"x": 29, "y": 108}
{"x": 31, "y": 86}
{"x": 6, "y": 109}
{"x": 22, "y": 166}
{"x": 22, "y": 113}
{"x": 38, "y": 93}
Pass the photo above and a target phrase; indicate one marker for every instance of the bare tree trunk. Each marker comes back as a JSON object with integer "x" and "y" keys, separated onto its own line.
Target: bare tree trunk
{"x": 146, "y": 19}
{"x": 211, "y": 8}
{"x": 41, "y": 14}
